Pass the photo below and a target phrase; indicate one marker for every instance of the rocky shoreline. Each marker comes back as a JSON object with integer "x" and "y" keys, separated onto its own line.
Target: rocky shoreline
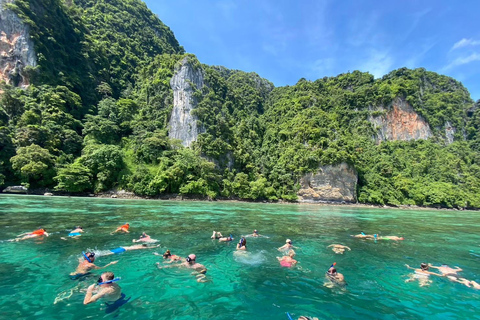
{"x": 126, "y": 195}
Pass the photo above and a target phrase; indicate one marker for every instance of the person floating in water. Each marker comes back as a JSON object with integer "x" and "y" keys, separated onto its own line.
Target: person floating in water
{"x": 123, "y": 228}
{"x": 468, "y": 283}
{"x": 333, "y": 277}
{"x": 338, "y": 248}
{"x": 145, "y": 238}
{"x": 75, "y": 233}
{"x": 190, "y": 262}
{"x": 107, "y": 289}
{"x": 242, "y": 244}
{"x": 169, "y": 257}
{"x": 229, "y": 238}
{"x": 395, "y": 238}
{"x": 307, "y": 318}
{"x": 216, "y": 235}
{"x": 86, "y": 264}
{"x": 446, "y": 270}
{"x": 288, "y": 261}
{"x": 365, "y": 236}
{"x": 287, "y": 246}
{"x": 34, "y": 234}
{"x": 422, "y": 275}
{"x": 123, "y": 249}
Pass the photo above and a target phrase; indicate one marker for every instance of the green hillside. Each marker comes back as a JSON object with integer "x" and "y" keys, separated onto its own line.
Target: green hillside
{"x": 96, "y": 118}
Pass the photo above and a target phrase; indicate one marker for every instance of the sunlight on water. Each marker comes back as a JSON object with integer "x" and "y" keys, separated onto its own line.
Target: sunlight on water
{"x": 250, "y": 285}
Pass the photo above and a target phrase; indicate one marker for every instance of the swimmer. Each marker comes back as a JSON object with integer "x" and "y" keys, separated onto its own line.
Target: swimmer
{"x": 364, "y": 236}
{"x": 422, "y": 275}
{"x": 338, "y": 248}
{"x": 169, "y": 257}
{"x": 86, "y": 264}
{"x": 395, "y": 238}
{"x": 335, "y": 276}
{"x": 75, "y": 233}
{"x": 108, "y": 290}
{"x": 446, "y": 270}
{"x": 307, "y": 318}
{"x": 216, "y": 235}
{"x": 190, "y": 262}
{"x": 255, "y": 233}
{"x": 128, "y": 248}
{"x": 29, "y": 235}
{"x": 242, "y": 244}
{"x": 468, "y": 283}
{"x": 145, "y": 238}
{"x": 229, "y": 238}
{"x": 123, "y": 228}
{"x": 288, "y": 261}
{"x": 287, "y": 246}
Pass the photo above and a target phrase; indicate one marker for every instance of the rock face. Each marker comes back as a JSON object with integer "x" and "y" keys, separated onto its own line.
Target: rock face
{"x": 330, "y": 184}
{"x": 401, "y": 122}
{"x": 183, "y": 125}
{"x": 16, "y": 48}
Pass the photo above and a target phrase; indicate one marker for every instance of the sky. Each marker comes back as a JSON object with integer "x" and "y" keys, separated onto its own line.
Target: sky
{"x": 284, "y": 41}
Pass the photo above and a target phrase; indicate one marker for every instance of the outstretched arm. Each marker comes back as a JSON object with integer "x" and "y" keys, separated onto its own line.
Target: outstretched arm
{"x": 89, "y": 297}
{"x": 406, "y": 265}
{"x": 348, "y": 248}
{"x": 108, "y": 264}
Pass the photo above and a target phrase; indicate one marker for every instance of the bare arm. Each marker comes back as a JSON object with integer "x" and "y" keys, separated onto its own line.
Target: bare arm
{"x": 406, "y": 265}
{"x": 89, "y": 297}
{"x": 348, "y": 248}
{"x": 332, "y": 245}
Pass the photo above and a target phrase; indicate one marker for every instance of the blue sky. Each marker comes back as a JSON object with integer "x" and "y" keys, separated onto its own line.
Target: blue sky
{"x": 284, "y": 41}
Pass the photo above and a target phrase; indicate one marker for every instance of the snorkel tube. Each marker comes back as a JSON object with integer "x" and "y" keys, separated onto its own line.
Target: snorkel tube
{"x": 109, "y": 281}
{"x": 363, "y": 234}
{"x": 88, "y": 259}
{"x": 289, "y": 316}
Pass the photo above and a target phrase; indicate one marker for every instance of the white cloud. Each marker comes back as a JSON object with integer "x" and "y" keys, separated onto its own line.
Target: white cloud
{"x": 461, "y": 61}
{"x": 379, "y": 63}
{"x": 465, "y": 42}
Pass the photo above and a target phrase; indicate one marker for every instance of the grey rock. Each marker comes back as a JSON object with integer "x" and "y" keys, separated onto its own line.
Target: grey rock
{"x": 15, "y": 189}
{"x": 449, "y": 132}
{"x": 16, "y": 48}
{"x": 183, "y": 125}
{"x": 336, "y": 183}
{"x": 48, "y": 194}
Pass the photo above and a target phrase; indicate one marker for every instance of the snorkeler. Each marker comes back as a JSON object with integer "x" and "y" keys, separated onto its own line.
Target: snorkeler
{"x": 145, "y": 238}
{"x": 287, "y": 246}
{"x": 107, "y": 289}
{"x": 288, "y": 261}
{"x": 338, "y": 248}
{"x": 190, "y": 263}
{"x": 216, "y": 235}
{"x": 364, "y": 236}
{"x": 422, "y": 275}
{"x": 242, "y": 244}
{"x": 123, "y": 249}
{"x": 75, "y": 233}
{"x": 169, "y": 257}
{"x": 307, "y": 318}
{"x": 395, "y": 238}
{"x": 123, "y": 228}
{"x": 468, "y": 283}
{"x": 446, "y": 270}
{"x": 86, "y": 264}
{"x": 37, "y": 233}
{"x": 229, "y": 238}
{"x": 335, "y": 276}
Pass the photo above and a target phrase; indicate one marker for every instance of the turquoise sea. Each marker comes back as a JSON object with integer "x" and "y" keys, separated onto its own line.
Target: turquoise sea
{"x": 33, "y": 273}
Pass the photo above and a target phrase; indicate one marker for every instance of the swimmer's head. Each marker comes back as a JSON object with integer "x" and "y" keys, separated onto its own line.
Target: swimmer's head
{"x": 191, "y": 258}
{"x": 144, "y": 235}
{"x": 166, "y": 254}
{"x": 255, "y": 231}
{"x": 90, "y": 256}
{"x": 332, "y": 270}
{"x": 106, "y": 277}
{"x": 424, "y": 266}
{"x": 78, "y": 227}
{"x": 127, "y": 224}
{"x": 291, "y": 253}
{"x": 288, "y": 241}
{"x": 242, "y": 242}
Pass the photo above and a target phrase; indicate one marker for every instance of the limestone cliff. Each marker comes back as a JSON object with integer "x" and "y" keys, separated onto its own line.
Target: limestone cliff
{"x": 183, "y": 125}
{"x": 16, "y": 48}
{"x": 400, "y": 122}
{"x": 336, "y": 183}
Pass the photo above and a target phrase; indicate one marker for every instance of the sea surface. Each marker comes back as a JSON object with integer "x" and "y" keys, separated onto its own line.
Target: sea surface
{"x": 35, "y": 283}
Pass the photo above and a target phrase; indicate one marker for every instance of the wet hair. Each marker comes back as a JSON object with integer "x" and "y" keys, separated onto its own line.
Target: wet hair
{"x": 332, "y": 270}
{"x": 167, "y": 254}
{"x": 424, "y": 266}
{"x": 90, "y": 254}
{"x": 242, "y": 242}
{"x": 109, "y": 276}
